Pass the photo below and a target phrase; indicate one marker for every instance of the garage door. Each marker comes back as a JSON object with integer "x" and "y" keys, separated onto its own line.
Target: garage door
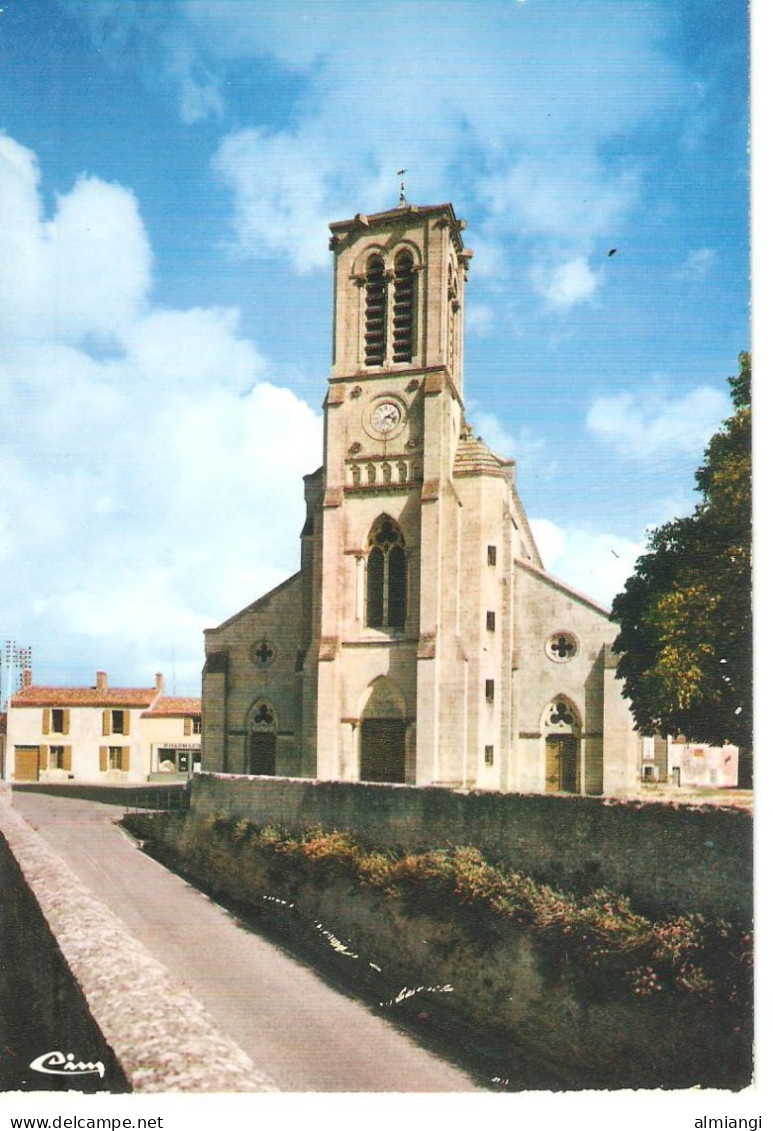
{"x": 26, "y": 766}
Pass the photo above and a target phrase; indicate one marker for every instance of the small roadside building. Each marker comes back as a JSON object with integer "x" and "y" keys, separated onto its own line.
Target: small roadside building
{"x": 99, "y": 734}
{"x": 171, "y": 737}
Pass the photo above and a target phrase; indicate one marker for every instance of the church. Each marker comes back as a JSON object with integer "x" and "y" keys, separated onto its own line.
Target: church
{"x": 421, "y": 641}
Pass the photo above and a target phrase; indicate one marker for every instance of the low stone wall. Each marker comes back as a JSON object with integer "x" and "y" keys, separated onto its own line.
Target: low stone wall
{"x": 161, "y": 795}
{"x": 668, "y": 859}
{"x": 42, "y": 1009}
{"x": 161, "y": 1037}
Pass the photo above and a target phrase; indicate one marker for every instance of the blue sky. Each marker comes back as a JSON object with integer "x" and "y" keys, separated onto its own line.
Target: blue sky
{"x": 167, "y": 173}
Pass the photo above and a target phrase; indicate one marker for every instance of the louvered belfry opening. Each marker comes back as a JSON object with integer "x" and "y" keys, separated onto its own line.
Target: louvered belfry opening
{"x": 375, "y": 311}
{"x": 403, "y": 321}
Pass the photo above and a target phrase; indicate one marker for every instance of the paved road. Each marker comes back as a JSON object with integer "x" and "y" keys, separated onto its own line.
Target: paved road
{"x": 299, "y": 1031}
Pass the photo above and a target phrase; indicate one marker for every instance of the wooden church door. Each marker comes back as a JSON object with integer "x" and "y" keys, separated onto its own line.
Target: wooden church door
{"x": 560, "y": 763}
{"x": 382, "y": 750}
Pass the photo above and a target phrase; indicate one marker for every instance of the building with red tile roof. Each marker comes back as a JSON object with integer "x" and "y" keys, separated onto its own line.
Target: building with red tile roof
{"x": 100, "y": 734}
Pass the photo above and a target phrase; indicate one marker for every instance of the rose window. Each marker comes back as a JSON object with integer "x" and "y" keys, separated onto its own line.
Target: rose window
{"x": 561, "y": 647}
{"x": 264, "y": 654}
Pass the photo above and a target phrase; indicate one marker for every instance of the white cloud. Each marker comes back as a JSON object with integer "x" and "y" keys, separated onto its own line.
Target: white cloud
{"x": 571, "y": 196}
{"x": 657, "y": 424}
{"x": 567, "y": 284}
{"x": 533, "y": 134}
{"x": 698, "y": 265}
{"x": 137, "y": 483}
{"x": 280, "y": 193}
{"x": 200, "y": 95}
{"x": 86, "y": 271}
{"x": 479, "y": 319}
{"x": 597, "y": 564}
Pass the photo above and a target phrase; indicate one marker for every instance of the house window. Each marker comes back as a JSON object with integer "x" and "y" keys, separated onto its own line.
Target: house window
{"x": 56, "y": 756}
{"x": 57, "y": 720}
{"x": 491, "y": 621}
{"x": 375, "y": 311}
{"x": 196, "y": 725}
{"x": 492, "y": 555}
{"x": 489, "y": 691}
{"x": 116, "y": 722}
{"x": 488, "y": 755}
{"x": 404, "y": 303}
{"x": 387, "y": 577}
{"x": 115, "y": 757}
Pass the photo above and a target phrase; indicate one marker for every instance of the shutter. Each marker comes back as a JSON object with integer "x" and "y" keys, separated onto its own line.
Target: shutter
{"x": 126, "y": 721}
{"x": 67, "y": 758}
{"x": 103, "y": 758}
{"x": 46, "y": 720}
{"x": 188, "y": 726}
{"x": 42, "y": 757}
{"x": 125, "y": 752}
{"x": 106, "y": 721}
{"x": 66, "y": 721}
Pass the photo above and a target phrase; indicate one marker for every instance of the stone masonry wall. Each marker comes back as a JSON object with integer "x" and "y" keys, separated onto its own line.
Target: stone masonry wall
{"x": 161, "y": 1037}
{"x": 668, "y": 859}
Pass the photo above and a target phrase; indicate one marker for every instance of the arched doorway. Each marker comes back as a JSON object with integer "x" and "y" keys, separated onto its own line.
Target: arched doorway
{"x": 261, "y": 754}
{"x": 561, "y": 727}
{"x": 382, "y": 734}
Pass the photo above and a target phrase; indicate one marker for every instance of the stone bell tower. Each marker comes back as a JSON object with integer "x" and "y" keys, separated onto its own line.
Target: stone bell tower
{"x": 393, "y": 415}
{"x": 421, "y": 641}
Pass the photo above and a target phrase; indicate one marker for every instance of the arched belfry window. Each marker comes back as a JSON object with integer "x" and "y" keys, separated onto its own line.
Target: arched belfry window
{"x": 387, "y": 576}
{"x": 403, "y": 322}
{"x": 375, "y": 311}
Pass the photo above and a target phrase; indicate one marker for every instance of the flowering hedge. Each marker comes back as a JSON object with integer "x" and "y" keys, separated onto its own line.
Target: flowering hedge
{"x": 598, "y": 937}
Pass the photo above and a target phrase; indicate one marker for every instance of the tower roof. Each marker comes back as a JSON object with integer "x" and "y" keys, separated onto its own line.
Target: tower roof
{"x": 473, "y": 457}
{"x": 403, "y": 214}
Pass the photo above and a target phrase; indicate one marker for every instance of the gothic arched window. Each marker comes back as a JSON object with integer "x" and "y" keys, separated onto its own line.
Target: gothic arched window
{"x": 375, "y": 311}
{"x": 403, "y": 320}
{"x": 387, "y": 576}
{"x": 261, "y": 748}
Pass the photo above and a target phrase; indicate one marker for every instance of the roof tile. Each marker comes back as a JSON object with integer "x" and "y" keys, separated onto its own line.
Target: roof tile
{"x": 84, "y": 697}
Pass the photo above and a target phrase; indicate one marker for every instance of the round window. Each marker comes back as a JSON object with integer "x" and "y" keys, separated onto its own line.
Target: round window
{"x": 561, "y": 647}
{"x": 263, "y": 654}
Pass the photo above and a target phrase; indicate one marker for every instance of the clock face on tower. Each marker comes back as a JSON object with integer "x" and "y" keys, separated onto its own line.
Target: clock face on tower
{"x": 385, "y": 417}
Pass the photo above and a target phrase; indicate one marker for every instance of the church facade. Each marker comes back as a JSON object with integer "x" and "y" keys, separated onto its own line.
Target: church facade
{"x": 421, "y": 640}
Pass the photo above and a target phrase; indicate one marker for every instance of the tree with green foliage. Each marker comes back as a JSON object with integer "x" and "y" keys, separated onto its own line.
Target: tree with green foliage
{"x": 685, "y": 615}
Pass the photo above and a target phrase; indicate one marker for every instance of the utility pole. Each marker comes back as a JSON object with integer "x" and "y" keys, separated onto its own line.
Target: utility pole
{"x": 14, "y": 659}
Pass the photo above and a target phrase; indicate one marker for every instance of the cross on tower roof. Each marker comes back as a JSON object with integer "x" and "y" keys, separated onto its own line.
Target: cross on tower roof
{"x": 401, "y": 174}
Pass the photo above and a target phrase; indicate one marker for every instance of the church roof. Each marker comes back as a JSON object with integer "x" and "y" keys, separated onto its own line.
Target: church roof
{"x": 253, "y": 606}
{"x": 473, "y": 457}
{"x": 556, "y": 583}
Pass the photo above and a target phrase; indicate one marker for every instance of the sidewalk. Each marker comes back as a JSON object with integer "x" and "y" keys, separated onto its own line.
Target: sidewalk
{"x": 301, "y": 1034}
